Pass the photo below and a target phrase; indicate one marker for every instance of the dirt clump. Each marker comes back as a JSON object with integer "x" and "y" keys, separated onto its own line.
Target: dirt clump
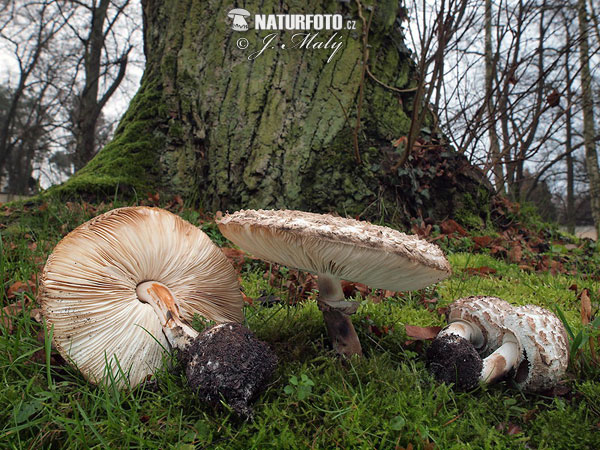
{"x": 452, "y": 359}
{"x": 227, "y": 362}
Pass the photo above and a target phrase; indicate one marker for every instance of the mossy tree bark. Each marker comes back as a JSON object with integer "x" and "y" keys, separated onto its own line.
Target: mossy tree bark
{"x": 275, "y": 131}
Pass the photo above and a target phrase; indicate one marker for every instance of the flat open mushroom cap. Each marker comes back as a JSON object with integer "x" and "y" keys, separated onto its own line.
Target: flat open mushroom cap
{"x": 346, "y": 249}
{"x": 88, "y": 289}
{"x": 544, "y": 345}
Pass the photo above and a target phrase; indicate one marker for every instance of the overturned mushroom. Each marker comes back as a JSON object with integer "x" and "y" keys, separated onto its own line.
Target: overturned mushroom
{"x": 475, "y": 327}
{"x": 528, "y": 343}
{"x": 124, "y": 285}
{"x": 337, "y": 249}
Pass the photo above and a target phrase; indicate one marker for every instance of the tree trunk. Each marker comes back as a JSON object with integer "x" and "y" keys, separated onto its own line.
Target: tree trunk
{"x": 570, "y": 207}
{"x": 275, "y": 131}
{"x": 490, "y": 66}
{"x": 591, "y": 156}
{"x": 89, "y": 105}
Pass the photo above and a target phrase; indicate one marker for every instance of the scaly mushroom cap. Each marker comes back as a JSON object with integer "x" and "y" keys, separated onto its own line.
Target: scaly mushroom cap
{"x": 88, "y": 289}
{"x": 487, "y": 313}
{"x": 346, "y": 249}
{"x": 543, "y": 342}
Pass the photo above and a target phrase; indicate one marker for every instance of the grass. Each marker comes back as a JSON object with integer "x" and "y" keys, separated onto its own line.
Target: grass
{"x": 386, "y": 400}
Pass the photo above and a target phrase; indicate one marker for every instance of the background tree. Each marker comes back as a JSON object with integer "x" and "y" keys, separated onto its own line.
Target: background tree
{"x": 104, "y": 59}
{"x": 511, "y": 99}
{"x": 65, "y": 61}
{"x": 26, "y": 31}
{"x": 589, "y": 131}
{"x": 279, "y": 130}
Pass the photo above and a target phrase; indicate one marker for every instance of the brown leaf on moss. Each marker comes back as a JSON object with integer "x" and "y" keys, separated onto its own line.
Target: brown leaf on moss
{"x": 352, "y": 288}
{"x": 516, "y": 253}
{"x": 422, "y": 333}
{"x": 586, "y": 307}
{"x": 422, "y": 230}
{"x": 236, "y": 257}
{"x": 153, "y": 198}
{"x": 450, "y": 226}
{"x": 482, "y": 241}
{"x": 510, "y": 429}
{"x": 481, "y": 271}
{"x": 176, "y": 201}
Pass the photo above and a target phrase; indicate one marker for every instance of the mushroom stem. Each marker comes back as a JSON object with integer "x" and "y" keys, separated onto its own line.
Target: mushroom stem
{"x": 165, "y": 305}
{"x": 501, "y": 361}
{"x": 336, "y": 313}
{"x": 465, "y": 330}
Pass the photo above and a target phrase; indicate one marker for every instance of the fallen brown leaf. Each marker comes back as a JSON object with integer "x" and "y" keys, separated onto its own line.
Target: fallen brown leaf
{"x": 235, "y": 256}
{"x": 482, "y": 241}
{"x": 17, "y": 287}
{"x": 422, "y": 333}
{"x": 515, "y": 254}
{"x": 153, "y": 198}
{"x": 481, "y": 271}
{"x": 509, "y": 428}
{"x": 450, "y": 226}
{"x": 586, "y": 307}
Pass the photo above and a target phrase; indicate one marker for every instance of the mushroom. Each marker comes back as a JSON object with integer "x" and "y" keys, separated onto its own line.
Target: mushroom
{"x": 335, "y": 248}
{"x": 475, "y": 326}
{"x": 239, "y": 22}
{"x": 527, "y": 342}
{"x": 543, "y": 347}
{"x": 123, "y": 286}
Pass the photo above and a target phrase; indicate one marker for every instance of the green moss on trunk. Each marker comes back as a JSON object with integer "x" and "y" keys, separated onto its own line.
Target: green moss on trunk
{"x": 275, "y": 131}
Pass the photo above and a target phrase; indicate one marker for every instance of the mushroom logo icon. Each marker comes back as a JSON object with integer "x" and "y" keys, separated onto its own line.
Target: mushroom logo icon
{"x": 239, "y": 19}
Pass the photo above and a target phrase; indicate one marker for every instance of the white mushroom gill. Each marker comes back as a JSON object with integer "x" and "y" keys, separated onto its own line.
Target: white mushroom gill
{"x": 88, "y": 289}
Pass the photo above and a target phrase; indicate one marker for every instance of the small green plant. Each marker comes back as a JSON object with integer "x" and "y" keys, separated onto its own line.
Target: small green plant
{"x": 300, "y": 388}
{"x": 586, "y": 338}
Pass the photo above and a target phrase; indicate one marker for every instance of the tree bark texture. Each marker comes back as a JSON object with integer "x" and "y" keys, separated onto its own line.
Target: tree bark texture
{"x": 591, "y": 156}
{"x": 276, "y": 131}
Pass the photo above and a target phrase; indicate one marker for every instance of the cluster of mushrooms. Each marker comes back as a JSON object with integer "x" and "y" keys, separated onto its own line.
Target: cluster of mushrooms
{"x": 124, "y": 287}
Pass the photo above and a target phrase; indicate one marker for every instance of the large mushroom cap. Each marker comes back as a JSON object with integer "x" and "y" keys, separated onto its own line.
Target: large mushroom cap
{"x": 88, "y": 289}
{"x": 544, "y": 346}
{"x": 488, "y": 314}
{"x": 346, "y": 249}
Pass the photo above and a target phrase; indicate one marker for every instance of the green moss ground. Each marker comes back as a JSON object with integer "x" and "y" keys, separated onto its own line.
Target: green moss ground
{"x": 387, "y": 400}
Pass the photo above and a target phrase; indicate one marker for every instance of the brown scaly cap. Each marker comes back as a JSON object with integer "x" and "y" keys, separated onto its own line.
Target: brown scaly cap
{"x": 486, "y": 313}
{"x": 543, "y": 341}
{"x": 347, "y": 249}
{"x": 88, "y": 288}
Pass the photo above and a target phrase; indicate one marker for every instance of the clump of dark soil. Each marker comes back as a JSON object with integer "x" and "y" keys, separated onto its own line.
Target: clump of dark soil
{"x": 228, "y": 362}
{"x": 452, "y": 359}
